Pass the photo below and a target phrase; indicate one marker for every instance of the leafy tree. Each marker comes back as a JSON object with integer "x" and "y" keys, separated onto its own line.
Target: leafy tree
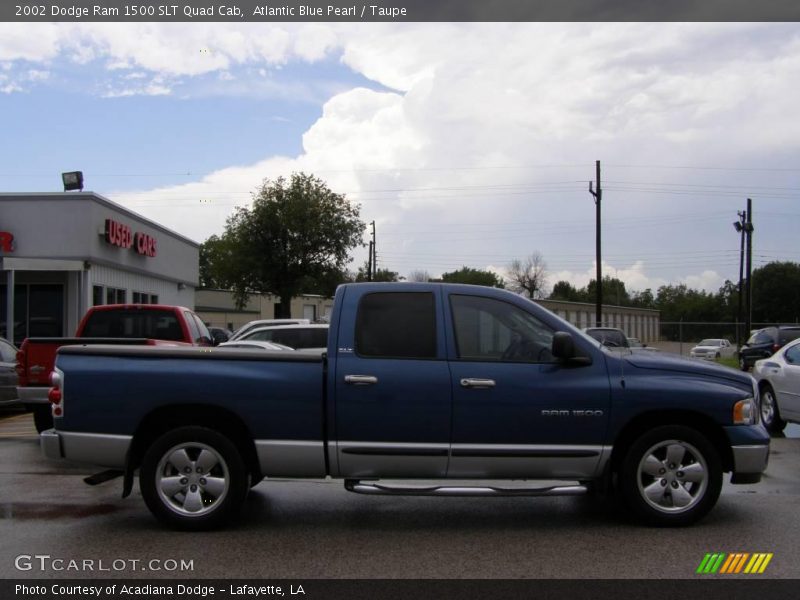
{"x": 473, "y": 277}
{"x": 614, "y": 291}
{"x": 564, "y": 290}
{"x": 776, "y": 293}
{"x": 294, "y": 231}
{"x": 644, "y": 299}
{"x": 528, "y": 276}
{"x": 378, "y": 275}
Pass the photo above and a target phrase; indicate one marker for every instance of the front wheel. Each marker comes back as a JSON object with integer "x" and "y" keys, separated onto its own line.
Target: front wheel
{"x": 193, "y": 478}
{"x": 770, "y": 414}
{"x": 671, "y": 476}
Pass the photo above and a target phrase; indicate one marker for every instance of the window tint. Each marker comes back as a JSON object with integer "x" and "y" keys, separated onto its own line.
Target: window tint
{"x": 760, "y": 337}
{"x": 792, "y": 355}
{"x": 153, "y": 324}
{"x": 493, "y": 330}
{"x": 396, "y": 325}
{"x": 193, "y": 331}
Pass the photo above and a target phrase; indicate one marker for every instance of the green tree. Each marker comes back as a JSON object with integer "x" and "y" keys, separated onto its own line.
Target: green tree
{"x": 295, "y": 231}
{"x": 776, "y": 293}
{"x": 564, "y": 290}
{"x": 378, "y": 275}
{"x": 614, "y": 291}
{"x": 473, "y": 277}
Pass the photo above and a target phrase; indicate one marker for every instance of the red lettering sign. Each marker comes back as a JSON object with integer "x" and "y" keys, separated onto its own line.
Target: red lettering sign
{"x": 118, "y": 234}
{"x": 145, "y": 244}
{"x": 6, "y": 241}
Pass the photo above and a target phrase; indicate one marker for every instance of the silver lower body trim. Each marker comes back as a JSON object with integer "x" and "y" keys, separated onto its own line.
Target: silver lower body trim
{"x": 750, "y": 459}
{"x": 550, "y": 461}
{"x": 461, "y": 490}
{"x": 291, "y": 458}
{"x": 392, "y": 459}
{"x": 105, "y": 450}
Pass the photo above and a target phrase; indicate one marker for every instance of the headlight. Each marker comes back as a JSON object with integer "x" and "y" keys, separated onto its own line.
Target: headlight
{"x": 745, "y": 412}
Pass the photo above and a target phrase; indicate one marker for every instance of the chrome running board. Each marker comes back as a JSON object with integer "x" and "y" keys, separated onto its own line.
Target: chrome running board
{"x": 360, "y": 487}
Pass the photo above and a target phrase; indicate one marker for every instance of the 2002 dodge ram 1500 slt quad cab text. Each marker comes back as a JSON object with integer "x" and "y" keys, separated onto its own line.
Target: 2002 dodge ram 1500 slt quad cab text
{"x": 420, "y": 381}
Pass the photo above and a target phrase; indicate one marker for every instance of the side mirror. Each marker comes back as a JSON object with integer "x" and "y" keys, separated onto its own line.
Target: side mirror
{"x": 564, "y": 350}
{"x": 563, "y": 345}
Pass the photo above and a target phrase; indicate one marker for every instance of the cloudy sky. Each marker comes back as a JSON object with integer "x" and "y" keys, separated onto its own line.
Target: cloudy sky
{"x": 468, "y": 144}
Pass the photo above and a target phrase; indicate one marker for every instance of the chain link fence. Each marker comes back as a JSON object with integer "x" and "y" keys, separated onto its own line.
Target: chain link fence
{"x": 679, "y": 337}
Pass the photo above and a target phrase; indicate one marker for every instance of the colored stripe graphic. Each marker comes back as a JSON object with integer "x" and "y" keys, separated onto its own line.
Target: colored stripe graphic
{"x": 734, "y": 563}
{"x": 711, "y": 562}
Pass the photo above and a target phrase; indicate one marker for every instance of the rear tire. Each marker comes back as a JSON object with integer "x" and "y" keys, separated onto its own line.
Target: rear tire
{"x": 42, "y": 417}
{"x": 770, "y": 414}
{"x": 742, "y": 364}
{"x": 193, "y": 478}
{"x": 671, "y": 476}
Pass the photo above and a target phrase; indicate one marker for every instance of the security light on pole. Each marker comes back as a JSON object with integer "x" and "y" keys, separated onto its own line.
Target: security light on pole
{"x": 73, "y": 180}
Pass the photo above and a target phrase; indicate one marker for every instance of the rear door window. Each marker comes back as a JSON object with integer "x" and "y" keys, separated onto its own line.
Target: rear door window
{"x": 396, "y": 325}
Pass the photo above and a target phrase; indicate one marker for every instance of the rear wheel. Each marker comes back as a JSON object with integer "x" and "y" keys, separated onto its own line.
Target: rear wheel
{"x": 770, "y": 414}
{"x": 193, "y": 478}
{"x": 742, "y": 364}
{"x": 42, "y": 417}
{"x": 670, "y": 476}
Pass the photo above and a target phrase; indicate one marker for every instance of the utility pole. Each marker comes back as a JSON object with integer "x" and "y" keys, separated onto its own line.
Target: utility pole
{"x": 598, "y": 195}
{"x": 739, "y": 226}
{"x": 748, "y": 227}
{"x": 374, "y": 251}
{"x": 369, "y": 263}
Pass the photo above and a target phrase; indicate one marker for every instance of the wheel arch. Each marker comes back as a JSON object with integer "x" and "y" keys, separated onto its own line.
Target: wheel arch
{"x": 650, "y": 420}
{"x": 168, "y": 418}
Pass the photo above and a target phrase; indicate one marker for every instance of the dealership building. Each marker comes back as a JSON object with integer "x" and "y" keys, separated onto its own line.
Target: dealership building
{"x": 61, "y": 253}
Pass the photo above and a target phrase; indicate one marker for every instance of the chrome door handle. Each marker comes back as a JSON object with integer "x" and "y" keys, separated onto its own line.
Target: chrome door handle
{"x": 360, "y": 379}
{"x": 468, "y": 382}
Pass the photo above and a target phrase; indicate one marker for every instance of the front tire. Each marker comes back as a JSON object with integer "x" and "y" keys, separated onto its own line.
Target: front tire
{"x": 671, "y": 476}
{"x": 193, "y": 478}
{"x": 770, "y": 414}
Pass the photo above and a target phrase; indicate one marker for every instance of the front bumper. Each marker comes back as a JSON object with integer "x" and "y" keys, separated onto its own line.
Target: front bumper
{"x": 749, "y": 462}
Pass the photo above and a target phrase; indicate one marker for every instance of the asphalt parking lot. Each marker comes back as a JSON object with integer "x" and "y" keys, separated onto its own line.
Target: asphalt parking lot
{"x": 315, "y": 529}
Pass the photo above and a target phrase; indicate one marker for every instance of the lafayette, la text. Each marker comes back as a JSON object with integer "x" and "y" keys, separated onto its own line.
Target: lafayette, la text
{"x": 251, "y": 591}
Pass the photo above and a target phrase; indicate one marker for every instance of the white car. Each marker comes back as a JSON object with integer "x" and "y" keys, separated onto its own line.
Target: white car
{"x": 309, "y": 337}
{"x": 248, "y": 345}
{"x": 778, "y": 380}
{"x": 712, "y": 349}
{"x": 250, "y": 326}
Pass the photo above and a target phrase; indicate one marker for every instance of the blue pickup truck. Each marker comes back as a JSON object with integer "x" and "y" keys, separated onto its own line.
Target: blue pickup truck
{"x": 460, "y": 384}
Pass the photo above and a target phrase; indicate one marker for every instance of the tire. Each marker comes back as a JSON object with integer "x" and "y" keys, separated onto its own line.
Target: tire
{"x": 42, "y": 417}
{"x": 770, "y": 414}
{"x": 743, "y": 364}
{"x": 193, "y": 478}
{"x": 717, "y": 356}
{"x": 670, "y": 476}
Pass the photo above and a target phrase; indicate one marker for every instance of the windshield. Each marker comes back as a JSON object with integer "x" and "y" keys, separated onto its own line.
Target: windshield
{"x": 710, "y": 343}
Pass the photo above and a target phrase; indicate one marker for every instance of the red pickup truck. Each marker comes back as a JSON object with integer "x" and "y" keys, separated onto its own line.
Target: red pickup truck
{"x": 128, "y": 324}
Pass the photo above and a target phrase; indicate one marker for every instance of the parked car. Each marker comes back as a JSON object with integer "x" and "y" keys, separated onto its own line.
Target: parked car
{"x": 219, "y": 335}
{"x": 712, "y": 349}
{"x": 636, "y": 345}
{"x": 128, "y": 324}
{"x": 778, "y": 380}
{"x": 609, "y": 336}
{"x": 420, "y": 381}
{"x": 248, "y": 327}
{"x": 764, "y": 343}
{"x": 8, "y": 374}
{"x": 300, "y": 337}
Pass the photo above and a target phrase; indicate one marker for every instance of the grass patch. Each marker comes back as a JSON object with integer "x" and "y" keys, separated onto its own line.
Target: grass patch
{"x": 731, "y": 362}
